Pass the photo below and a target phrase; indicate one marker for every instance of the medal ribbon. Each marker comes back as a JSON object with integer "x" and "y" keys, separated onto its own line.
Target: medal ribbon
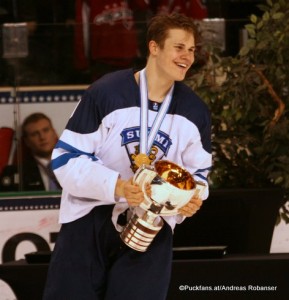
{"x": 147, "y": 138}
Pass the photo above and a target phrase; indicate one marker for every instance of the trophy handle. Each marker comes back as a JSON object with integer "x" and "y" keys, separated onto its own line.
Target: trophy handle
{"x": 145, "y": 174}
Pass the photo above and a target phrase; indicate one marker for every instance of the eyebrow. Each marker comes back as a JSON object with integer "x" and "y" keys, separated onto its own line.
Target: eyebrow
{"x": 181, "y": 44}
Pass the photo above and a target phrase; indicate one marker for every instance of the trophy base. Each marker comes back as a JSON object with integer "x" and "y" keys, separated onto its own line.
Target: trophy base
{"x": 139, "y": 233}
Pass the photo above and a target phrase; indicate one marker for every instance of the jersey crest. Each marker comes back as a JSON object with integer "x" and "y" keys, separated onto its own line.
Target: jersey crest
{"x": 130, "y": 140}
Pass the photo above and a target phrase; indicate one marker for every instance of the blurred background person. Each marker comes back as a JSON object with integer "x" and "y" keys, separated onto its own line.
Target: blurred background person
{"x": 32, "y": 162}
{"x": 105, "y": 35}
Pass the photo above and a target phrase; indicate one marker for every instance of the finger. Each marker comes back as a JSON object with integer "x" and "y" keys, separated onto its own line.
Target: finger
{"x": 134, "y": 201}
{"x": 148, "y": 190}
{"x": 191, "y": 206}
{"x": 189, "y": 209}
{"x": 134, "y": 198}
{"x": 130, "y": 190}
{"x": 196, "y": 201}
{"x": 185, "y": 213}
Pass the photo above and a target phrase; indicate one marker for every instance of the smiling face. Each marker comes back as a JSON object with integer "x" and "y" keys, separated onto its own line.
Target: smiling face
{"x": 176, "y": 56}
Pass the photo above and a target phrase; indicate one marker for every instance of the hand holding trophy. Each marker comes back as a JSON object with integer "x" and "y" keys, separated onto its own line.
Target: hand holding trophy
{"x": 172, "y": 187}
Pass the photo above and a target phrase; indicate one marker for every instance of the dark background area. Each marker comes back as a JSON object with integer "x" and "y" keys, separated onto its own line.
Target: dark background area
{"x": 243, "y": 220}
{"x": 237, "y": 14}
{"x": 51, "y": 57}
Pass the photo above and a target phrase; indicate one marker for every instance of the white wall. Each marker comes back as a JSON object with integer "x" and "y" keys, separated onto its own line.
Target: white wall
{"x": 57, "y": 102}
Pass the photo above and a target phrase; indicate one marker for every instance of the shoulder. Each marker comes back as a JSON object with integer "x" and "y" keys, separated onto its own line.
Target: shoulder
{"x": 113, "y": 91}
{"x": 184, "y": 91}
{"x": 114, "y": 81}
{"x": 187, "y": 102}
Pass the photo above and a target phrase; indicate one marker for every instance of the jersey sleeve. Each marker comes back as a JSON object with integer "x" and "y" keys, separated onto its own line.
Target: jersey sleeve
{"x": 75, "y": 159}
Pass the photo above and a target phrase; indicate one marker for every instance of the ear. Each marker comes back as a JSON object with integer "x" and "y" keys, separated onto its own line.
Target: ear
{"x": 153, "y": 47}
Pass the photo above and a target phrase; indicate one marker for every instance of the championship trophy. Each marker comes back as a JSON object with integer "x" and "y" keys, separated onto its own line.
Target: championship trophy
{"x": 172, "y": 187}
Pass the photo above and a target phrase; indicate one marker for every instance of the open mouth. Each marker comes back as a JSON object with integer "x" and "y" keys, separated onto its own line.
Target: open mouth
{"x": 184, "y": 66}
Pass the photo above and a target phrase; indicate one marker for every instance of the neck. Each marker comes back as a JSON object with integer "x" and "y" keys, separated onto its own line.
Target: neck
{"x": 43, "y": 157}
{"x": 157, "y": 86}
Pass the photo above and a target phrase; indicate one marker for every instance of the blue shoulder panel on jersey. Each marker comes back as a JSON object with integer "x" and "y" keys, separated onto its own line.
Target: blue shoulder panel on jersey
{"x": 72, "y": 153}
{"x": 187, "y": 104}
{"x": 113, "y": 91}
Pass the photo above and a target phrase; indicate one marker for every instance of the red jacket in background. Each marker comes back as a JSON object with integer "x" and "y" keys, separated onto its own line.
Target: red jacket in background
{"x": 112, "y": 38}
{"x": 192, "y": 8}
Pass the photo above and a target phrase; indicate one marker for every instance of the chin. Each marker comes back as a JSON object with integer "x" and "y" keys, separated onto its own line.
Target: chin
{"x": 180, "y": 78}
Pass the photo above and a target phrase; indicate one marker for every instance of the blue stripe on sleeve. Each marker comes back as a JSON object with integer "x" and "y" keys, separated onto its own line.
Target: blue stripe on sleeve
{"x": 199, "y": 171}
{"x": 72, "y": 153}
{"x": 203, "y": 170}
{"x": 202, "y": 177}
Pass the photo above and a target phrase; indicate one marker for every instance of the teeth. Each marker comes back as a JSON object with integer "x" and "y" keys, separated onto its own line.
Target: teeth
{"x": 182, "y": 65}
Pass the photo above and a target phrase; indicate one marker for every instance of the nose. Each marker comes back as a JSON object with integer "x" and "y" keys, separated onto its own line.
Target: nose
{"x": 188, "y": 56}
{"x": 42, "y": 135}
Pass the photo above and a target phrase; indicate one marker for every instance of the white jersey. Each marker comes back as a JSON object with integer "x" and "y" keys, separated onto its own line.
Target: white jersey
{"x": 101, "y": 140}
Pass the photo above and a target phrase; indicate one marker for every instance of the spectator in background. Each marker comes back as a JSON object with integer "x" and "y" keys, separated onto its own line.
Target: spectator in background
{"x": 196, "y": 9}
{"x": 39, "y": 138}
{"x": 105, "y": 35}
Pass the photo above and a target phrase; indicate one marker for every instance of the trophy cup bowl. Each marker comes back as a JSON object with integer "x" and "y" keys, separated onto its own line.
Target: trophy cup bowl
{"x": 172, "y": 187}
